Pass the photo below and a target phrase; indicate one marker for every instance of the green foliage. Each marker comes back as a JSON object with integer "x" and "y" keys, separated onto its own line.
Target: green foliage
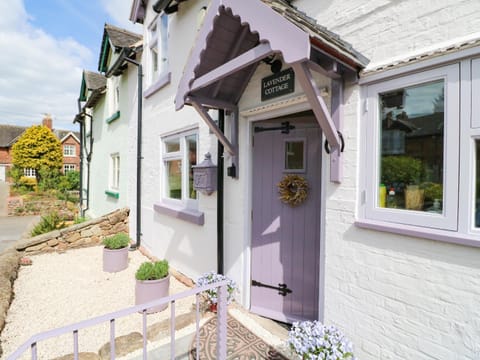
{"x": 37, "y": 148}
{"x": 79, "y": 219}
{"x": 26, "y": 184}
{"x": 152, "y": 270}
{"x": 117, "y": 241}
{"x": 48, "y": 223}
{"x": 400, "y": 169}
{"x": 73, "y": 180}
{"x": 49, "y": 178}
{"x": 432, "y": 190}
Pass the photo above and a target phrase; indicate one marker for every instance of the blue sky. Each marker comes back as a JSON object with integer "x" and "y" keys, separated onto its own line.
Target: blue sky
{"x": 47, "y": 44}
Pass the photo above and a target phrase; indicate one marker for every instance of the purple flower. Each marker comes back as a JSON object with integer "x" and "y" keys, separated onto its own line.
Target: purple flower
{"x": 314, "y": 341}
{"x": 212, "y": 277}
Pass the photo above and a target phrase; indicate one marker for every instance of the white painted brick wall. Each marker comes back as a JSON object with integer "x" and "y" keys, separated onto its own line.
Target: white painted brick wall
{"x": 396, "y": 297}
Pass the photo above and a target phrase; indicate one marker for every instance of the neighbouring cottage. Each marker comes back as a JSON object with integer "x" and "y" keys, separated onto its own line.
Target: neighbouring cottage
{"x": 107, "y": 121}
{"x": 69, "y": 140}
{"x": 345, "y": 140}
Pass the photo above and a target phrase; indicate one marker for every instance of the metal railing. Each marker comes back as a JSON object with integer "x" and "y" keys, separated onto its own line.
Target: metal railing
{"x": 111, "y": 318}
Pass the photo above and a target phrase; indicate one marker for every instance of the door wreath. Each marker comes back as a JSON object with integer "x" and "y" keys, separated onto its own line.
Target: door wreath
{"x": 293, "y": 189}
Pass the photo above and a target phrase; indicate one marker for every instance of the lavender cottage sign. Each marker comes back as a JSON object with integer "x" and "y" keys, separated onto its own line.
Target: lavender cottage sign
{"x": 278, "y": 84}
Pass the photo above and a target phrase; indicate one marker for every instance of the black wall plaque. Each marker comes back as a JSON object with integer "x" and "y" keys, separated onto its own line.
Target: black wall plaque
{"x": 278, "y": 84}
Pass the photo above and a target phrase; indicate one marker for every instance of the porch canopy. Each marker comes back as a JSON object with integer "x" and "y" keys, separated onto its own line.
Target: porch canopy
{"x": 237, "y": 35}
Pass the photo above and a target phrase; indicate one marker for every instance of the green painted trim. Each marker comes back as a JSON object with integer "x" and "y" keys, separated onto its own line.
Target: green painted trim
{"x": 102, "y": 66}
{"x": 114, "y": 117}
{"x": 83, "y": 89}
{"x": 113, "y": 194}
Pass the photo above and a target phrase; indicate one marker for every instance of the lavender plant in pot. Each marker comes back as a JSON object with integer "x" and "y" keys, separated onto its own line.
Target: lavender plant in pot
{"x": 152, "y": 283}
{"x": 115, "y": 252}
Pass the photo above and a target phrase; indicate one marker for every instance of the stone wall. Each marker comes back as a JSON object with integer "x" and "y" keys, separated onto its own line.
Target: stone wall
{"x": 85, "y": 234}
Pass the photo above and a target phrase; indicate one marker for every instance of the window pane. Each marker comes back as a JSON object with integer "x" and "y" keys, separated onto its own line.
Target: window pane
{"x": 294, "y": 155}
{"x": 174, "y": 179}
{"x": 477, "y": 186}
{"x": 192, "y": 160}
{"x": 172, "y": 145}
{"x": 411, "y": 151}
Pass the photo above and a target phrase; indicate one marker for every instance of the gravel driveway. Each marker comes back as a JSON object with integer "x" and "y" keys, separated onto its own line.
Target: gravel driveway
{"x": 59, "y": 289}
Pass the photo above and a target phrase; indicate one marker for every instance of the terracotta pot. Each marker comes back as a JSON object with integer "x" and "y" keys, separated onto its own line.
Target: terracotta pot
{"x": 150, "y": 290}
{"x": 115, "y": 260}
{"x": 213, "y": 307}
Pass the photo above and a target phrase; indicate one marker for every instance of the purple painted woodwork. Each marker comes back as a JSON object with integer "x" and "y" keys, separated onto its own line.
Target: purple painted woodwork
{"x": 285, "y": 239}
{"x": 149, "y": 290}
{"x": 319, "y": 107}
{"x": 269, "y": 25}
{"x": 111, "y": 317}
{"x": 336, "y": 168}
{"x": 115, "y": 260}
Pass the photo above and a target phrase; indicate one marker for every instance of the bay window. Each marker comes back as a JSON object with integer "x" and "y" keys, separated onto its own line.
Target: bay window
{"x": 420, "y": 169}
{"x": 415, "y": 121}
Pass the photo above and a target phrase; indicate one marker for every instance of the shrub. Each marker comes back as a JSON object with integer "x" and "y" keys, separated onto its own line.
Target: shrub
{"x": 117, "y": 241}
{"x": 152, "y": 270}
{"x": 79, "y": 219}
{"x": 48, "y": 223}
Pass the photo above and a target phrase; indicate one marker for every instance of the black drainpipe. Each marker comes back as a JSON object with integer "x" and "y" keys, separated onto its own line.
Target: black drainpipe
{"x": 89, "y": 159}
{"x": 220, "y": 239}
{"x": 139, "y": 152}
{"x": 82, "y": 139}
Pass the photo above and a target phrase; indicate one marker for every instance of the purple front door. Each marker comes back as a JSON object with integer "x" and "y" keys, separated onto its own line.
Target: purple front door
{"x": 285, "y": 238}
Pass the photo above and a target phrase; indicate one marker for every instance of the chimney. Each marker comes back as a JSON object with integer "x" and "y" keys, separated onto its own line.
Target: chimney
{"x": 47, "y": 121}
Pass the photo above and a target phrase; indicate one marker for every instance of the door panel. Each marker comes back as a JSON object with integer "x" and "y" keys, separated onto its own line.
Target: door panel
{"x": 285, "y": 239}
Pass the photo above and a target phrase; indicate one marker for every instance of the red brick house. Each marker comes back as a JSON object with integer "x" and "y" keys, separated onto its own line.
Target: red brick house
{"x": 69, "y": 140}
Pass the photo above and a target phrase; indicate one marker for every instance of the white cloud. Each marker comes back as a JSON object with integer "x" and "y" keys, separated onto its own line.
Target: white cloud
{"x": 40, "y": 73}
{"x": 119, "y": 11}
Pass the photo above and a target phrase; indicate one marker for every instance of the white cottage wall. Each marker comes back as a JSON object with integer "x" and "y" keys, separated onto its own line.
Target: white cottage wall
{"x": 396, "y": 297}
{"x": 188, "y": 247}
{"x": 111, "y": 138}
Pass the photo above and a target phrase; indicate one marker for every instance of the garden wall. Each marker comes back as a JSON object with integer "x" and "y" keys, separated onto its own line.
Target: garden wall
{"x": 85, "y": 234}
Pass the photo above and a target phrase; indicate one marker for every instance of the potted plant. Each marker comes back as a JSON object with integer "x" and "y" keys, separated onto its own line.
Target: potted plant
{"x": 313, "y": 340}
{"x": 152, "y": 282}
{"x": 212, "y": 297}
{"x": 115, "y": 252}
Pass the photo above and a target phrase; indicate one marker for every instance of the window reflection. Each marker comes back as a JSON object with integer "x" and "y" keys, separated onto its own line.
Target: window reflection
{"x": 412, "y": 133}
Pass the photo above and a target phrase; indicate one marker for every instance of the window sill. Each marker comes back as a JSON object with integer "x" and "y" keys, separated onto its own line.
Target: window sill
{"x": 189, "y": 215}
{"x": 113, "y": 194}
{"x": 162, "y": 81}
{"x": 425, "y": 233}
{"x": 114, "y": 117}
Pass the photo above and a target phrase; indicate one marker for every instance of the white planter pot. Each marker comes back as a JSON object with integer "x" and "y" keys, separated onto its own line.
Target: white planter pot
{"x": 115, "y": 260}
{"x": 150, "y": 290}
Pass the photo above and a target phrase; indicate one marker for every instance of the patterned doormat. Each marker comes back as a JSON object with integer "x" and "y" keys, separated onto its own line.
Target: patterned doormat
{"x": 242, "y": 344}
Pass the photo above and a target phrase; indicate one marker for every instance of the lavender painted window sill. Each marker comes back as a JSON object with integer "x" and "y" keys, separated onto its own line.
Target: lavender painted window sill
{"x": 189, "y": 215}
{"x": 425, "y": 233}
{"x": 160, "y": 83}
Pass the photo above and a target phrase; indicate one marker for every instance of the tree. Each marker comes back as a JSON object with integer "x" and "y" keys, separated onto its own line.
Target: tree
{"x": 38, "y": 148}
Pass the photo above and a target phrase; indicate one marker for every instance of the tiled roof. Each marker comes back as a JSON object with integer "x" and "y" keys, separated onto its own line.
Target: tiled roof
{"x": 94, "y": 80}
{"x": 316, "y": 31}
{"x": 8, "y": 134}
{"x": 121, "y": 37}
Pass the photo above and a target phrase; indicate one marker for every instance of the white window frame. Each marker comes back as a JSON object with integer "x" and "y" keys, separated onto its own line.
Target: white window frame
{"x": 114, "y": 179}
{"x": 113, "y": 87}
{"x": 29, "y": 172}
{"x": 182, "y": 155}
{"x": 371, "y": 163}
{"x": 69, "y": 167}
{"x": 69, "y": 150}
{"x": 157, "y": 48}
